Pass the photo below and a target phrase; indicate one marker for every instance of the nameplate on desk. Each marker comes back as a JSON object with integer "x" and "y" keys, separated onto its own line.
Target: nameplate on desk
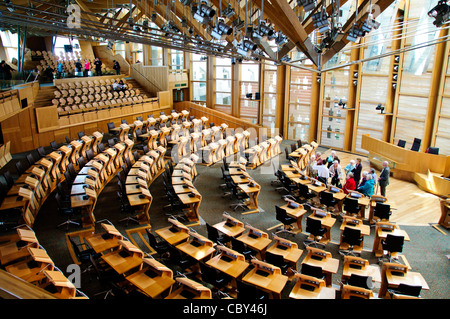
{"x": 293, "y": 205}
{"x": 320, "y": 214}
{"x": 355, "y": 195}
{"x": 254, "y": 234}
{"x": 317, "y": 183}
{"x": 334, "y": 190}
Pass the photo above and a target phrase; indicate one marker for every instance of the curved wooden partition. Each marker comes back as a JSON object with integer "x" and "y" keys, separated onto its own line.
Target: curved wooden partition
{"x": 423, "y": 168}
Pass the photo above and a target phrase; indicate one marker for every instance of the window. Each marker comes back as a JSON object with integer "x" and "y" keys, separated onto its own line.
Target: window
{"x": 176, "y": 60}
{"x": 249, "y": 84}
{"x": 62, "y": 41}
{"x": 198, "y": 78}
{"x": 119, "y": 48}
{"x": 299, "y": 104}
{"x": 269, "y": 101}
{"x": 9, "y": 41}
{"x": 137, "y": 52}
{"x": 156, "y": 56}
{"x": 223, "y": 80}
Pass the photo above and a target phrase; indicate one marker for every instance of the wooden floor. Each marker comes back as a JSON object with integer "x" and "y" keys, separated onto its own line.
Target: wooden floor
{"x": 414, "y": 207}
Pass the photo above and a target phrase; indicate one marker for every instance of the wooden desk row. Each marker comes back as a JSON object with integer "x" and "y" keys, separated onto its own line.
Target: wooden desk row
{"x": 94, "y": 176}
{"x": 303, "y": 154}
{"x": 263, "y": 152}
{"x": 32, "y": 188}
{"x": 181, "y": 180}
{"x": 26, "y": 259}
{"x": 245, "y": 183}
{"x": 143, "y": 172}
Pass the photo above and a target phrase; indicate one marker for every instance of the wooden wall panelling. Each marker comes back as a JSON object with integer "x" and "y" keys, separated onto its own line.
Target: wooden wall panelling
{"x": 61, "y": 134}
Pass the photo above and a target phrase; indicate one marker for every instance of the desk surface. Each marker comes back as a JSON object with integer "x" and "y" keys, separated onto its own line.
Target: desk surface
{"x": 150, "y": 286}
{"x": 198, "y": 253}
{"x": 319, "y": 293}
{"x": 99, "y": 243}
{"x": 120, "y": 264}
{"x": 290, "y": 254}
{"x": 327, "y": 264}
{"x": 273, "y": 282}
{"x": 172, "y": 238}
{"x": 233, "y": 268}
{"x": 232, "y": 231}
{"x": 259, "y": 243}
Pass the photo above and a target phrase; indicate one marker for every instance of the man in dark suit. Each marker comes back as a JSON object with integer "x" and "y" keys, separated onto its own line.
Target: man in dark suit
{"x": 383, "y": 180}
{"x": 357, "y": 171}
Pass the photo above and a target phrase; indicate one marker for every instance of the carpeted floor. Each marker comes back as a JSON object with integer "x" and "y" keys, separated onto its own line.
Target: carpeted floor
{"x": 426, "y": 252}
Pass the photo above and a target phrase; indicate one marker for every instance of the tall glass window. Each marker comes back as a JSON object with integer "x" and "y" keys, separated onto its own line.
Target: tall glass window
{"x": 249, "y": 84}
{"x": 198, "y": 79}
{"x": 223, "y": 80}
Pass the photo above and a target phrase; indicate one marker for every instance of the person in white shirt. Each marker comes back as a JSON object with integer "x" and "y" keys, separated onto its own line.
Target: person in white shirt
{"x": 323, "y": 172}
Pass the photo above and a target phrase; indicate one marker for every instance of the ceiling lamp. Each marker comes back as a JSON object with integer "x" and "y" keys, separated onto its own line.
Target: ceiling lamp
{"x": 203, "y": 13}
{"x": 307, "y": 5}
{"x": 221, "y": 30}
{"x": 228, "y": 11}
{"x": 370, "y": 24}
{"x": 246, "y": 48}
{"x": 355, "y": 33}
{"x": 440, "y": 13}
{"x": 320, "y": 21}
{"x": 263, "y": 31}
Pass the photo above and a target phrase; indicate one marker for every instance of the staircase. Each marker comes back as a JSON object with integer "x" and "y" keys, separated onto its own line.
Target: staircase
{"x": 45, "y": 96}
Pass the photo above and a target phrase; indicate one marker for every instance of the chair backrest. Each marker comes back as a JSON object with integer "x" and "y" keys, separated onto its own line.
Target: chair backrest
{"x": 314, "y": 271}
{"x": 313, "y": 226}
{"x": 90, "y": 154}
{"x": 54, "y": 145}
{"x": 280, "y": 213}
{"x": 274, "y": 259}
{"x": 9, "y": 179}
{"x": 326, "y": 197}
{"x": 351, "y": 236}
{"x": 382, "y": 210}
{"x": 433, "y": 150}
{"x": 111, "y": 125}
{"x": 360, "y": 281}
{"x": 408, "y": 290}
{"x": 350, "y": 204}
{"x": 151, "y": 238}
{"x": 401, "y": 143}
{"x": 80, "y": 134}
{"x": 30, "y": 158}
{"x": 212, "y": 232}
{"x": 394, "y": 243}
{"x": 416, "y": 144}
{"x": 81, "y": 162}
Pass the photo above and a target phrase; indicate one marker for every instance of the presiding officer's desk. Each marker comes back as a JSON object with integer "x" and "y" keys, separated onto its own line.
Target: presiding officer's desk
{"x": 404, "y": 163}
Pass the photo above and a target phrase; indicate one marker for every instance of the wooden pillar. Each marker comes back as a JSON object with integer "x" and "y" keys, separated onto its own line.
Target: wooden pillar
{"x": 235, "y": 90}
{"x": 315, "y": 122}
{"x": 281, "y": 99}
{"x": 435, "y": 91}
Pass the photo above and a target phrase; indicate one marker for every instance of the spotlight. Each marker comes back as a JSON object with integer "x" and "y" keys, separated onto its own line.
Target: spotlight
{"x": 263, "y": 31}
{"x": 203, "y": 13}
{"x": 370, "y": 24}
{"x": 153, "y": 16}
{"x": 186, "y": 2}
{"x": 221, "y": 30}
{"x": 320, "y": 21}
{"x": 354, "y": 34}
{"x": 145, "y": 24}
{"x": 233, "y": 61}
{"x": 246, "y": 48}
{"x": 249, "y": 95}
{"x": 307, "y": 5}
{"x": 280, "y": 39}
{"x": 342, "y": 103}
{"x": 228, "y": 11}
{"x": 380, "y": 108}
{"x": 9, "y": 5}
{"x": 440, "y": 13}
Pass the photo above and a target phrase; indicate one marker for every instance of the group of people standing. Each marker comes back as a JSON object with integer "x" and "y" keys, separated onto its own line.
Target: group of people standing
{"x": 365, "y": 182}
{"x": 79, "y": 67}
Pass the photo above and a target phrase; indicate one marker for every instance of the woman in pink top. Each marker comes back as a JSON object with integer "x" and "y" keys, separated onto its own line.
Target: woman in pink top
{"x": 87, "y": 67}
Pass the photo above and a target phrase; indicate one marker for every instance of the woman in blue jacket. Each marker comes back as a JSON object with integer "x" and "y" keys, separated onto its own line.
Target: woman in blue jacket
{"x": 367, "y": 188}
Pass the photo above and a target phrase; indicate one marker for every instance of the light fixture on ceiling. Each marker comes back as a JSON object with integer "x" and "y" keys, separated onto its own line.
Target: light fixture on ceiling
{"x": 203, "y": 13}
{"x": 320, "y": 21}
{"x": 307, "y": 5}
{"x": 263, "y": 31}
{"x": 370, "y": 24}
{"x": 440, "y": 13}
{"x": 280, "y": 38}
{"x": 355, "y": 33}
{"x": 221, "y": 30}
{"x": 186, "y": 2}
{"x": 228, "y": 11}
{"x": 246, "y": 48}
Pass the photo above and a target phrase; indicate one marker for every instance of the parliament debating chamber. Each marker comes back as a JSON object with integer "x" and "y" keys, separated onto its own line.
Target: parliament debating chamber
{"x": 235, "y": 150}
